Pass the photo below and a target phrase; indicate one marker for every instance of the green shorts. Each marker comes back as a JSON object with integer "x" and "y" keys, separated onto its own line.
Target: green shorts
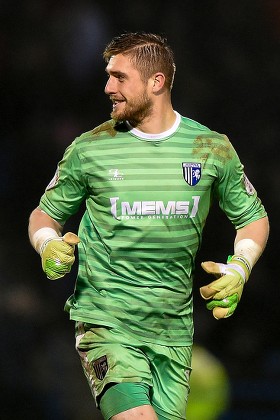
{"x": 111, "y": 357}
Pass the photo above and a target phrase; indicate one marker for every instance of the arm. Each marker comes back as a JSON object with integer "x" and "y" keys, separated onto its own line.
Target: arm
{"x": 61, "y": 199}
{"x": 41, "y": 220}
{"x": 250, "y": 242}
{"x": 56, "y": 251}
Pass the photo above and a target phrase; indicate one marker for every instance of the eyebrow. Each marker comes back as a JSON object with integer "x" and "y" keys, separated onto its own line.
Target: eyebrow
{"x": 115, "y": 73}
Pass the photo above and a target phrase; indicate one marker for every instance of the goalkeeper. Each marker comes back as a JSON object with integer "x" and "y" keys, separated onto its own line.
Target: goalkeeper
{"x": 147, "y": 177}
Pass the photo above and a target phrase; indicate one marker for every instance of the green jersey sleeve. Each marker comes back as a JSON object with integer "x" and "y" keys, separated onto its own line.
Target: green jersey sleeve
{"x": 237, "y": 196}
{"x": 67, "y": 190}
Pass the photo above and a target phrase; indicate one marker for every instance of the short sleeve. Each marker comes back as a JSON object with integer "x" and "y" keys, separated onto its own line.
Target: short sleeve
{"x": 67, "y": 190}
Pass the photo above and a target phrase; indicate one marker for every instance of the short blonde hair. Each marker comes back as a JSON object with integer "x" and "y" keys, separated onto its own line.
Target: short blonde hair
{"x": 148, "y": 52}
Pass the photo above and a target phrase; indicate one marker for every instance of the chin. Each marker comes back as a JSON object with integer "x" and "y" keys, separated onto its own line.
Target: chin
{"x": 116, "y": 116}
{"x": 119, "y": 116}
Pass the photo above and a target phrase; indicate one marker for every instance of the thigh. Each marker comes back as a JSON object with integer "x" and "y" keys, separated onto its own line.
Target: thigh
{"x": 127, "y": 400}
{"x": 144, "y": 412}
{"x": 170, "y": 367}
{"x": 106, "y": 360}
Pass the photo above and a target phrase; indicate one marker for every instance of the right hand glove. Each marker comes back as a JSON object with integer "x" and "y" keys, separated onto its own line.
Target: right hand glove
{"x": 57, "y": 255}
{"x": 227, "y": 290}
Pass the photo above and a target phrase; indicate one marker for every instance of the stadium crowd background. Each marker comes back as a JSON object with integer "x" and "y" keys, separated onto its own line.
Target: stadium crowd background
{"x": 52, "y": 81}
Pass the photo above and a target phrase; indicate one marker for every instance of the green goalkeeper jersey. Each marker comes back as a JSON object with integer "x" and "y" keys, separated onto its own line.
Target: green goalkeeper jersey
{"x": 147, "y": 199}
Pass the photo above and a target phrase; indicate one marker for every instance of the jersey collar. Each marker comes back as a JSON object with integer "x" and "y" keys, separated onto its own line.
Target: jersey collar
{"x": 158, "y": 136}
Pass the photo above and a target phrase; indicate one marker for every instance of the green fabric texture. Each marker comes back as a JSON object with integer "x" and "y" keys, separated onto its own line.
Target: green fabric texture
{"x": 123, "y": 396}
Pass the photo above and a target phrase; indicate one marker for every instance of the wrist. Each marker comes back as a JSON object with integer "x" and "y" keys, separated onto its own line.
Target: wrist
{"x": 248, "y": 249}
{"x": 42, "y": 236}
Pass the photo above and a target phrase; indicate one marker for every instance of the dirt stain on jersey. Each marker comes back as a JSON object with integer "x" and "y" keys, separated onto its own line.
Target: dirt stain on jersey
{"x": 111, "y": 127}
{"x": 216, "y": 145}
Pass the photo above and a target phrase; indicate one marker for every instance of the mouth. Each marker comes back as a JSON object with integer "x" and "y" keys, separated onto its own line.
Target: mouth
{"x": 116, "y": 103}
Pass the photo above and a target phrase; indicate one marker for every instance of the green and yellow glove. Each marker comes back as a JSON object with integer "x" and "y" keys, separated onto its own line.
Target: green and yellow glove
{"x": 227, "y": 290}
{"x": 57, "y": 255}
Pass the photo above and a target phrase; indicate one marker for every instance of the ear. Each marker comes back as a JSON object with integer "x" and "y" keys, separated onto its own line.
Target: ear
{"x": 158, "y": 81}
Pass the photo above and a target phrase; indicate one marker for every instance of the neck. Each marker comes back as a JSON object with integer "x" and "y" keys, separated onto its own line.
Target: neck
{"x": 161, "y": 119}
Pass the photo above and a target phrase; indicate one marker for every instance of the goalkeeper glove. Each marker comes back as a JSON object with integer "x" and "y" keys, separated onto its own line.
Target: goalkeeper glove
{"x": 227, "y": 290}
{"x": 57, "y": 255}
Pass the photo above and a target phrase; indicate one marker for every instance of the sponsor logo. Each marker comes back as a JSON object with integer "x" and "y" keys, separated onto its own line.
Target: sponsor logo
{"x": 54, "y": 180}
{"x": 191, "y": 173}
{"x": 154, "y": 209}
{"x": 115, "y": 175}
{"x": 248, "y": 186}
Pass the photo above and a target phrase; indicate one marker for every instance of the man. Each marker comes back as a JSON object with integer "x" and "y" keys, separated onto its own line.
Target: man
{"x": 148, "y": 177}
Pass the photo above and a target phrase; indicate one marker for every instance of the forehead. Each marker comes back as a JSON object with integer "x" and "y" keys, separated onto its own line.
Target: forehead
{"x": 120, "y": 63}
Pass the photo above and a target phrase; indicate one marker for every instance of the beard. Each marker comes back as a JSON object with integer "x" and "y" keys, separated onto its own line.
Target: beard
{"x": 134, "y": 110}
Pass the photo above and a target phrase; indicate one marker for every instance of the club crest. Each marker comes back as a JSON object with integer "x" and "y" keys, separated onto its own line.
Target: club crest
{"x": 191, "y": 173}
{"x": 100, "y": 367}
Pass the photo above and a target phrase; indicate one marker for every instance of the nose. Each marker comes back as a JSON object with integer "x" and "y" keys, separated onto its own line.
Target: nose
{"x": 110, "y": 86}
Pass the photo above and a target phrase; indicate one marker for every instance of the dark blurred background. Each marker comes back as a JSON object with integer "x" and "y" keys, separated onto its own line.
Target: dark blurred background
{"x": 52, "y": 81}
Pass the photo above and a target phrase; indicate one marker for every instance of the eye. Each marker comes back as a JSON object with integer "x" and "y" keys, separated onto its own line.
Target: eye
{"x": 120, "y": 77}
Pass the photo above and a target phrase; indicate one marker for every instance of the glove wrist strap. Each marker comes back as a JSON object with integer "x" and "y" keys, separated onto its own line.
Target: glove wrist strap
{"x": 240, "y": 264}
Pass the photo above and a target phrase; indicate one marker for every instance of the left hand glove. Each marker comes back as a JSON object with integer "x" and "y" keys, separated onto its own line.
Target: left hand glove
{"x": 227, "y": 290}
{"x": 57, "y": 255}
